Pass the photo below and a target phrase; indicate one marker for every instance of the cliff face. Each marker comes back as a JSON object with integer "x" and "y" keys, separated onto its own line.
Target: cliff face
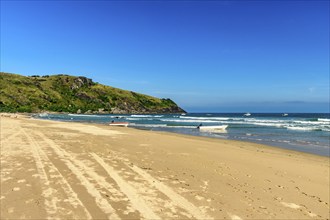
{"x": 64, "y": 93}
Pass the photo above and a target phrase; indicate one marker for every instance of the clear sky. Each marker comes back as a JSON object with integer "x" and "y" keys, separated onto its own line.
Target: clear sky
{"x": 208, "y": 56}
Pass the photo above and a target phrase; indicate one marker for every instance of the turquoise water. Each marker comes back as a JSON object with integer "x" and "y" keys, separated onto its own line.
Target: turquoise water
{"x": 301, "y": 132}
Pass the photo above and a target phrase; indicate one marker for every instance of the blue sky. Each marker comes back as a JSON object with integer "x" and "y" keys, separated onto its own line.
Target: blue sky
{"x": 208, "y": 56}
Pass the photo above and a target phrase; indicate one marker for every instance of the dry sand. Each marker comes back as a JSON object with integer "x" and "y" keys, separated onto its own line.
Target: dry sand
{"x": 58, "y": 170}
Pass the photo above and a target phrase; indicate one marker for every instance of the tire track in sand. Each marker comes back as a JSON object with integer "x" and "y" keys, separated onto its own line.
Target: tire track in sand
{"x": 49, "y": 194}
{"x": 80, "y": 170}
{"x": 177, "y": 199}
{"x": 77, "y": 167}
{"x": 174, "y": 197}
{"x": 47, "y": 191}
{"x": 138, "y": 203}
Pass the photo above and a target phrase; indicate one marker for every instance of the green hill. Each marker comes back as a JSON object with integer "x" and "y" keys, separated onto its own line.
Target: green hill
{"x": 64, "y": 93}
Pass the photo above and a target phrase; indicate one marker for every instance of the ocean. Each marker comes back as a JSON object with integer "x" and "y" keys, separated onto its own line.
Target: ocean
{"x": 306, "y": 132}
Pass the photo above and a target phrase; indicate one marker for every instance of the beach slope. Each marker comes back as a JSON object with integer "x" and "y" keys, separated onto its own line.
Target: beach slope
{"x": 68, "y": 170}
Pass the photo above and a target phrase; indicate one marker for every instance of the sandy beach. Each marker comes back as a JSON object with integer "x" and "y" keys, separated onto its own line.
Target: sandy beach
{"x": 62, "y": 170}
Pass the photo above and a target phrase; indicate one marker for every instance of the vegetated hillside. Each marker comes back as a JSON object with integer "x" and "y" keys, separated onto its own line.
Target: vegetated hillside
{"x": 64, "y": 93}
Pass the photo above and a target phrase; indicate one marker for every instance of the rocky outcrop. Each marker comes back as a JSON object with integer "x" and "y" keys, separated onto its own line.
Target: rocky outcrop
{"x": 80, "y": 82}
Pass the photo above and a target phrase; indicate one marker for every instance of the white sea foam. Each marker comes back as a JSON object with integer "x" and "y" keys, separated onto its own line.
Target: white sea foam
{"x": 93, "y": 116}
{"x": 207, "y": 118}
{"x": 293, "y": 124}
{"x": 150, "y": 125}
{"x": 264, "y": 121}
{"x": 185, "y": 121}
{"x": 312, "y": 122}
{"x": 303, "y": 128}
{"x": 252, "y": 121}
{"x": 324, "y": 120}
{"x": 139, "y": 119}
{"x": 162, "y": 126}
{"x": 141, "y": 116}
{"x": 268, "y": 124}
{"x": 171, "y": 126}
{"x": 189, "y": 120}
{"x": 286, "y": 121}
{"x": 147, "y": 116}
{"x": 117, "y": 116}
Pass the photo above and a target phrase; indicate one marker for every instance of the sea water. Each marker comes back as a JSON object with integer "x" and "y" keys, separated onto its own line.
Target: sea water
{"x": 300, "y": 131}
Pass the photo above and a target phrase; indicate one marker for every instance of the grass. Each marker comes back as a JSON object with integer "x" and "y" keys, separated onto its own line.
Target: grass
{"x": 64, "y": 93}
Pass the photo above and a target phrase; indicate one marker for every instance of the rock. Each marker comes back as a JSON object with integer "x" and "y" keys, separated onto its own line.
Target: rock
{"x": 118, "y": 111}
{"x": 84, "y": 96}
{"x": 80, "y": 82}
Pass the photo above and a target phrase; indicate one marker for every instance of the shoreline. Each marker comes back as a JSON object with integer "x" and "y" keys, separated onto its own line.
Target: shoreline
{"x": 309, "y": 149}
{"x": 97, "y": 171}
{"x": 276, "y": 147}
{"x": 287, "y": 147}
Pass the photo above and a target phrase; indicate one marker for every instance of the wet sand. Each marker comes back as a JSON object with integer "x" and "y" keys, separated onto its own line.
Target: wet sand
{"x": 62, "y": 170}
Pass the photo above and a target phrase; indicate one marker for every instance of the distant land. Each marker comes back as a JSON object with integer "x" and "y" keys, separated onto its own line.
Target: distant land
{"x": 71, "y": 94}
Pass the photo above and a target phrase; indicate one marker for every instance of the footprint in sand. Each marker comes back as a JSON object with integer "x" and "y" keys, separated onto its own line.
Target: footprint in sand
{"x": 311, "y": 214}
{"x": 278, "y": 198}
